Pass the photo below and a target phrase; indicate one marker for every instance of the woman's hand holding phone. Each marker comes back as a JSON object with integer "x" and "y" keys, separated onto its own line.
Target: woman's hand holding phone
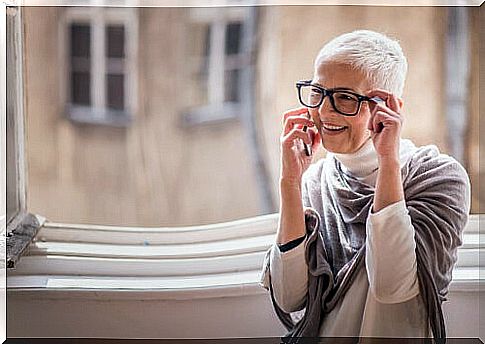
{"x": 294, "y": 159}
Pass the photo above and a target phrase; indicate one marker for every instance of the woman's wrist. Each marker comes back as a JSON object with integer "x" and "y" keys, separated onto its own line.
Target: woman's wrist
{"x": 290, "y": 183}
{"x": 389, "y": 187}
{"x": 292, "y": 220}
{"x": 389, "y": 162}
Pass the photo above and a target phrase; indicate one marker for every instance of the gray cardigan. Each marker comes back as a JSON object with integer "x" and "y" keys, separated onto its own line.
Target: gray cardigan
{"x": 437, "y": 195}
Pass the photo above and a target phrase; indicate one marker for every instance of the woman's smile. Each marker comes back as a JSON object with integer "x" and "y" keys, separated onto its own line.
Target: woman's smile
{"x": 333, "y": 129}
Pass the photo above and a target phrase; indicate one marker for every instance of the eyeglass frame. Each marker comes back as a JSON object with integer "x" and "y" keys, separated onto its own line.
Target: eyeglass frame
{"x": 361, "y": 98}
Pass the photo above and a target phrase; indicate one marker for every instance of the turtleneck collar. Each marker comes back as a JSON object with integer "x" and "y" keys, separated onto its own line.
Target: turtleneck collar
{"x": 362, "y": 162}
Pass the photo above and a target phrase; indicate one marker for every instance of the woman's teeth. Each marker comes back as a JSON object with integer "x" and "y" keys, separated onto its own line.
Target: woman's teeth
{"x": 333, "y": 127}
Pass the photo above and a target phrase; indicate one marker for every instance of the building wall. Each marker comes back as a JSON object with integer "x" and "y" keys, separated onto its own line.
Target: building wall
{"x": 152, "y": 173}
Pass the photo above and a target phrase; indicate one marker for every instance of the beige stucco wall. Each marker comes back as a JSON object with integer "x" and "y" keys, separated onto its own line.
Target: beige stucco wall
{"x": 157, "y": 173}
{"x": 153, "y": 173}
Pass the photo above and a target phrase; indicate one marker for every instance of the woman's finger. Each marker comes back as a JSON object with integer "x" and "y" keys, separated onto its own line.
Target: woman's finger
{"x": 394, "y": 104}
{"x": 296, "y": 121}
{"x": 288, "y": 140}
{"x": 383, "y": 119}
{"x": 384, "y": 108}
{"x": 294, "y": 112}
{"x": 389, "y": 98}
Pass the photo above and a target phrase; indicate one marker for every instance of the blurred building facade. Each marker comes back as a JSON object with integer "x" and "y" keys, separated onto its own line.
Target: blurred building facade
{"x": 172, "y": 116}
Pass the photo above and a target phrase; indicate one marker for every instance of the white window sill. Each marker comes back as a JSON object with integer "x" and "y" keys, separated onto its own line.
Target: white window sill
{"x": 217, "y": 260}
{"x": 211, "y": 114}
{"x": 107, "y": 117}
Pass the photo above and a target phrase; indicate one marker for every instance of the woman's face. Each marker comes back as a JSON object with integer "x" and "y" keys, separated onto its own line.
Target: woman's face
{"x": 350, "y": 139}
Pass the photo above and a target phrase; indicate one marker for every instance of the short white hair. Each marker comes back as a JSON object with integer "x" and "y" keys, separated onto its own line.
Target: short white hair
{"x": 379, "y": 57}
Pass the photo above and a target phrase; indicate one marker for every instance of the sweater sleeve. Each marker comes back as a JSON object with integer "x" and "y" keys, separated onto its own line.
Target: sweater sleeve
{"x": 391, "y": 254}
{"x": 289, "y": 277}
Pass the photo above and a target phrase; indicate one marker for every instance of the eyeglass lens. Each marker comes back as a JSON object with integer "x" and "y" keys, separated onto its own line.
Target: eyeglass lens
{"x": 344, "y": 102}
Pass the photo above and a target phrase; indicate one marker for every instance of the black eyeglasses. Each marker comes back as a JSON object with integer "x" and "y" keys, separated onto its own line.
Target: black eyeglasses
{"x": 344, "y": 102}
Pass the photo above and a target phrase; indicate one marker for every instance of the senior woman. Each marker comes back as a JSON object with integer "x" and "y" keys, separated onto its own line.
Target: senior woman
{"x": 367, "y": 237}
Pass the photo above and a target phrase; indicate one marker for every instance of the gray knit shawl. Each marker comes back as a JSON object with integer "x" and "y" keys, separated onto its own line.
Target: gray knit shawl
{"x": 437, "y": 196}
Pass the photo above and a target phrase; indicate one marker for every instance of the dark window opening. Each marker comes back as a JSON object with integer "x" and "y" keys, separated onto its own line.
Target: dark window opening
{"x": 231, "y": 85}
{"x": 233, "y": 38}
{"x": 115, "y": 41}
{"x": 80, "y": 64}
{"x": 115, "y": 91}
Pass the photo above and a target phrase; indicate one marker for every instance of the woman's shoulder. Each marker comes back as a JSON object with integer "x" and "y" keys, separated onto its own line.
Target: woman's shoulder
{"x": 431, "y": 156}
{"x": 430, "y": 166}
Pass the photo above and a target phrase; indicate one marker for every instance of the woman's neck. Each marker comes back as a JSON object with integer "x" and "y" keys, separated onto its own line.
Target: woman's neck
{"x": 362, "y": 162}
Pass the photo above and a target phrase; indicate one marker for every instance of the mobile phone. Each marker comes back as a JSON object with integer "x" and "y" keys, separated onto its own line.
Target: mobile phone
{"x": 307, "y": 147}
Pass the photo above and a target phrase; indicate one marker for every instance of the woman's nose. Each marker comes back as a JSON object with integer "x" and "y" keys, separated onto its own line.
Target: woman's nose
{"x": 325, "y": 108}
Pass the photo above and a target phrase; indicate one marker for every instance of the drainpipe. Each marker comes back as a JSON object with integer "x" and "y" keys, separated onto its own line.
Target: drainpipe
{"x": 249, "y": 115}
{"x": 457, "y": 81}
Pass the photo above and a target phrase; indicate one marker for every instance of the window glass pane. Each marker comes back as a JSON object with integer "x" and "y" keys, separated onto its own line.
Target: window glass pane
{"x": 115, "y": 41}
{"x": 159, "y": 173}
{"x": 115, "y": 91}
{"x": 233, "y": 38}
{"x": 231, "y": 86}
{"x": 80, "y": 88}
{"x": 80, "y": 40}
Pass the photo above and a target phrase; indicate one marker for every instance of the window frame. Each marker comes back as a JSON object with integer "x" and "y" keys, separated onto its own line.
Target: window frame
{"x": 15, "y": 152}
{"x": 21, "y": 226}
{"x": 99, "y": 18}
{"x": 217, "y": 109}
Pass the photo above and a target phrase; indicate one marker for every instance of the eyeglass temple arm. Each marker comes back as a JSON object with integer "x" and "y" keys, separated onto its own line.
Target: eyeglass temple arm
{"x": 375, "y": 99}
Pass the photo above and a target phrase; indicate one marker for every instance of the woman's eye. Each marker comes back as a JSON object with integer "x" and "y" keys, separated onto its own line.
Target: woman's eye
{"x": 341, "y": 96}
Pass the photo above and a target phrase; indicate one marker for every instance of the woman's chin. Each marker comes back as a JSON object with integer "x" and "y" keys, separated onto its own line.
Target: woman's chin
{"x": 336, "y": 149}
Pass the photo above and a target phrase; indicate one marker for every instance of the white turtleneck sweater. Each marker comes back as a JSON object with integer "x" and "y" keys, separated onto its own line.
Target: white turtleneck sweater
{"x": 382, "y": 300}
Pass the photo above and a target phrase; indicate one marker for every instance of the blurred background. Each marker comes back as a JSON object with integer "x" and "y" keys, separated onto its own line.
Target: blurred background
{"x": 172, "y": 116}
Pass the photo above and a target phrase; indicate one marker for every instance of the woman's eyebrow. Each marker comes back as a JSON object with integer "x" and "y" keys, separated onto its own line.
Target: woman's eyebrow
{"x": 342, "y": 89}
{"x": 335, "y": 88}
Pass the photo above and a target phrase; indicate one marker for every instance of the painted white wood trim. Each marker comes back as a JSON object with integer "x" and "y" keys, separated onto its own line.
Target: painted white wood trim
{"x": 184, "y": 258}
{"x": 166, "y": 288}
{"x": 208, "y": 14}
{"x": 3, "y": 123}
{"x": 187, "y": 250}
{"x": 158, "y": 283}
{"x": 218, "y": 3}
{"x": 139, "y": 267}
{"x": 228, "y": 248}
{"x": 3, "y": 167}
{"x": 131, "y": 62}
{"x": 98, "y": 62}
{"x": 243, "y": 228}
{"x": 216, "y": 63}
{"x": 227, "y": 287}
{"x": 20, "y": 124}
